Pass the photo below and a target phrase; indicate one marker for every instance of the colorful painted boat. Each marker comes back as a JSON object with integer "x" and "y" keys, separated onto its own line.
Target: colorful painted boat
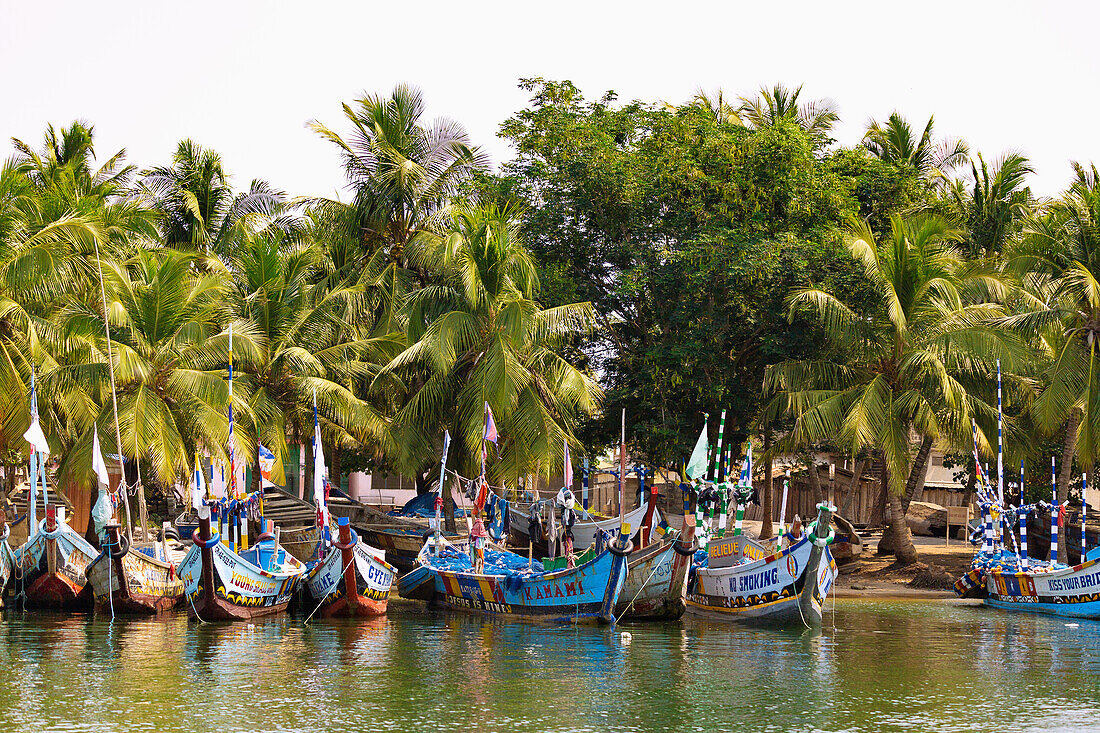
{"x": 128, "y": 580}
{"x": 510, "y": 588}
{"x": 655, "y": 579}
{"x": 1070, "y": 591}
{"x": 221, "y": 584}
{"x": 741, "y": 580}
{"x": 401, "y": 544}
{"x": 7, "y": 560}
{"x": 584, "y": 533}
{"x": 49, "y": 568}
{"x": 351, "y": 580}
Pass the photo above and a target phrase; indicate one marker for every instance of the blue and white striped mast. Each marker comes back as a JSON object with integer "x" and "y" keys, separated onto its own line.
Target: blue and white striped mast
{"x": 1053, "y": 514}
{"x": 1022, "y": 511}
{"x": 1084, "y": 540}
{"x": 1000, "y": 454}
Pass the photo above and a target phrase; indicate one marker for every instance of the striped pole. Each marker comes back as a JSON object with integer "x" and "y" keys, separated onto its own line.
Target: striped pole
{"x": 744, "y": 482}
{"x": 987, "y": 515}
{"x": 1053, "y": 514}
{"x": 723, "y": 507}
{"x": 783, "y": 512}
{"x": 990, "y": 497}
{"x": 1084, "y": 541}
{"x": 584, "y": 485}
{"x": 1022, "y": 511}
{"x": 718, "y": 451}
{"x": 1000, "y": 455}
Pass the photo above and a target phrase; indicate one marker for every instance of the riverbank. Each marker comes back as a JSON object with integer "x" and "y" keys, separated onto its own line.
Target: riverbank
{"x": 933, "y": 576}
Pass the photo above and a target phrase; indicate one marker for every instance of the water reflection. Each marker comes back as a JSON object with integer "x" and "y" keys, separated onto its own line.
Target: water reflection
{"x": 885, "y": 666}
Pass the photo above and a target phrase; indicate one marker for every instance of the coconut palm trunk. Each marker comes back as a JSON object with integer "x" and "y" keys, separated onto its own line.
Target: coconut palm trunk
{"x": 767, "y": 500}
{"x": 815, "y": 482}
{"x": 853, "y": 489}
{"x": 914, "y": 487}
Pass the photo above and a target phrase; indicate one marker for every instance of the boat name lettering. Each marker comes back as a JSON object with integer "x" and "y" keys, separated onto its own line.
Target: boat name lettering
{"x": 555, "y": 590}
{"x": 251, "y": 584}
{"x": 1075, "y": 582}
{"x": 477, "y": 603}
{"x": 756, "y": 581}
{"x": 727, "y": 549}
{"x": 379, "y": 576}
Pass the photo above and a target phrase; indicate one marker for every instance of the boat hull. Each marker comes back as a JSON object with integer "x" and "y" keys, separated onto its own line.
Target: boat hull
{"x": 368, "y": 576}
{"x": 785, "y": 587}
{"x": 134, "y": 584}
{"x": 220, "y": 585}
{"x": 654, "y": 588}
{"x": 6, "y": 564}
{"x": 584, "y": 533}
{"x": 587, "y": 592}
{"x": 1072, "y": 592}
{"x": 401, "y": 545}
{"x": 49, "y": 569}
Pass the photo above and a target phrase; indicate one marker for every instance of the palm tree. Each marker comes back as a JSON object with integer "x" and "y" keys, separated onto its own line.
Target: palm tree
{"x": 56, "y": 211}
{"x": 722, "y": 111}
{"x": 200, "y": 211}
{"x": 771, "y": 106}
{"x": 993, "y": 208}
{"x": 403, "y": 176}
{"x": 480, "y": 337}
{"x": 301, "y": 342}
{"x": 172, "y": 392}
{"x": 1058, "y": 260}
{"x": 896, "y": 369}
{"x": 896, "y": 143}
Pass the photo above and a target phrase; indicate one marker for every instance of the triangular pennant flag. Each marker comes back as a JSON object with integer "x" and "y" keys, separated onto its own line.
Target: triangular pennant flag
{"x": 697, "y": 464}
{"x": 99, "y": 467}
{"x": 568, "y": 467}
{"x": 491, "y": 433}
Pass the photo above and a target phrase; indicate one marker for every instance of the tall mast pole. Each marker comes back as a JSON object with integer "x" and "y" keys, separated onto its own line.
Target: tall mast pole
{"x": 114, "y": 399}
{"x": 622, "y": 467}
{"x": 1000, "y": 456}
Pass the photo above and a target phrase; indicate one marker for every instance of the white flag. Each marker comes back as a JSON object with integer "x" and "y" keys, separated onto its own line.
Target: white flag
{"x": 198, "y": 489}
{"x": 217, "y": 482}
{"x": 319, "y": 468}
{"x": 36, "y": 437}
{"x": 99, "y": 467}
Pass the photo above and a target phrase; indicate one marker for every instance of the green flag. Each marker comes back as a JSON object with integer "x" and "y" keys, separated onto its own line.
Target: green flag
{"x": 697, "y": 464}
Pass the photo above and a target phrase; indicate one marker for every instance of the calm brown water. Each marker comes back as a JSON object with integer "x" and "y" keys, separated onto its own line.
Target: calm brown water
{"x": 887, "y": 666}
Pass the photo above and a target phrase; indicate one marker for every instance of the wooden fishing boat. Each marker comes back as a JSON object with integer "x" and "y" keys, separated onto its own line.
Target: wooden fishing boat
{"x": 222, "y": 584}
{"x": 400, "y": 543}
{"x": 654, "y": 588}
{"x": 510, "y": 588}
{"x": 351, "y": 580}
{"x": 742, "y": 580}
{"x": 129, "y": 580}
{"x": 49, "y": 568}
{"x": 584, "y": 533}
{"x": 6, "y": 557}
{"x": 1069, "y": 591}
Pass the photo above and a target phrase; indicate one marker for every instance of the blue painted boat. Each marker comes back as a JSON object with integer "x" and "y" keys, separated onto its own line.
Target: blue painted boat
{"x": 510, "y": 588}
{"x": 1063, "y": 590}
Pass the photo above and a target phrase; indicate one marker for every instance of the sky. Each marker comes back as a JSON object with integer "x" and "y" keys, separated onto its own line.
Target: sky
{"x": 245, "y": 78}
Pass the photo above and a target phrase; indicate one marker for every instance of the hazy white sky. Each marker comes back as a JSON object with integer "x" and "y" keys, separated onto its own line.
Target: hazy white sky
{"x": 245, "y": 77}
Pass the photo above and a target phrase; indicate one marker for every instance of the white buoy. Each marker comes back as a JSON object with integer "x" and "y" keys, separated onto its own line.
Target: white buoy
{"x": 625, "y": 637}
{"x": 1072, "y": 626}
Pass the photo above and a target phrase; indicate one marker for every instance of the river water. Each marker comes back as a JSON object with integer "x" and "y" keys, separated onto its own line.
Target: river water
{"x": 876, "y": 666}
